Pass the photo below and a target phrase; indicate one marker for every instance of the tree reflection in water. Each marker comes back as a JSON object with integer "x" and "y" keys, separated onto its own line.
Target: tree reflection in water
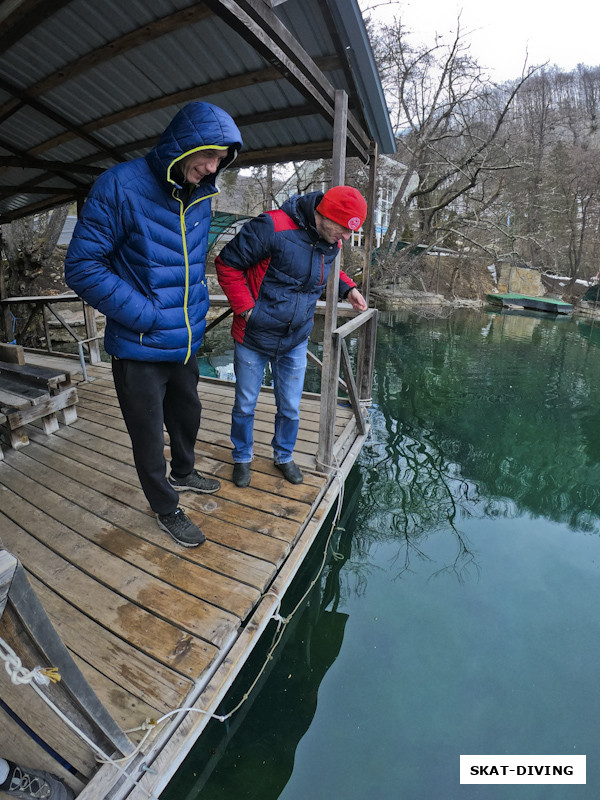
{"x": 479, "y": 415}
{"x": 264, "y": 733}
{"x": 410, "y": 491}
{"x": 476, "y": 417}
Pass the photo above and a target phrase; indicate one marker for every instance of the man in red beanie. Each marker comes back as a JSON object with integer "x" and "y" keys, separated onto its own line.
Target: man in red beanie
{"x": 273, "y": 272}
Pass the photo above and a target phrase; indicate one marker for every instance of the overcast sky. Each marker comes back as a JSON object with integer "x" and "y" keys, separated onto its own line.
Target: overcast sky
{"x": 504, "y": 32}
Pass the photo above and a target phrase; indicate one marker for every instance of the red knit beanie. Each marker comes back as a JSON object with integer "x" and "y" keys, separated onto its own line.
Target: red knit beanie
{"x": 344, "y": 205}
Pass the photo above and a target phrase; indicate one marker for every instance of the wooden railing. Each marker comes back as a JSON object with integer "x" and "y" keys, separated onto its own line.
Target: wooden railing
{"x": 44, "y": 305}
{"x": 358, "y": 389}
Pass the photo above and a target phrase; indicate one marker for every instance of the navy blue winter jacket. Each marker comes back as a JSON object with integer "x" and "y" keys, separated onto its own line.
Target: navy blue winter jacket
{"x": 139, "y": 248}
{"x": 278, "y": 265}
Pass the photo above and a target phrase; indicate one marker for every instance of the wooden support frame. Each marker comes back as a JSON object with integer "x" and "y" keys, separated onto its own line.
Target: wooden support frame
{"x": 335, "y": 353}
{"x": 29, "y": 393}
{"x": 32, "y": 616}
{"x": 331, "y": 354}
{"x": 366, "y": 359}
{"x": 352, "y": 391}
{"x": 42, "y": 304}
{"x": 369, "y": 227}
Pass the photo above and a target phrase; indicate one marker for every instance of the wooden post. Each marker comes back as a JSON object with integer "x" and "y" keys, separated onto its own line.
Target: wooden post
{"x": 331, "y": 352}
{"x": 370, "y": 221}
{"x": 12, "y": 354}
{"x": 89, "y": 314}
{"x": 366, "y": 359}
{"x": 269, "y": 188}
{"x": 368, "y": 333}
{"x": 6, "y": 315}
{"x": 47, "y": 333}
{"x": 91, "y": 331}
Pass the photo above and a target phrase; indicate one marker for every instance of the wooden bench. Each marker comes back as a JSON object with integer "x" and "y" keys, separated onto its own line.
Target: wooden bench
{"x": 29, "y": 393}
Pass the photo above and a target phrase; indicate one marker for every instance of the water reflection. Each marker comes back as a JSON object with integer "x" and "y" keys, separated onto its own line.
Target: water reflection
{"x": 264, "y": 733}
{"x": 590, "y": 331}
{"x": 412, "y": 491}
{"x": 522, "y": 323}
{"x": 482, "y": 470}
{"x": 508, "y": 416}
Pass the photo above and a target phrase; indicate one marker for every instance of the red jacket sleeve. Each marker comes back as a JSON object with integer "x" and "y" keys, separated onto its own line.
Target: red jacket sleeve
{"x": 234, "y": 284}
{"x": 346, "y": 284}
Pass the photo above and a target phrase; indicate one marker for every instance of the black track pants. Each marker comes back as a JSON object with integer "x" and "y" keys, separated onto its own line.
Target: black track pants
{"x": 152, "y": 396}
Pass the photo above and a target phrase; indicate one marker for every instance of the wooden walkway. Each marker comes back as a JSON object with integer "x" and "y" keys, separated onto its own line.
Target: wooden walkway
{"x": 152, "y": 626}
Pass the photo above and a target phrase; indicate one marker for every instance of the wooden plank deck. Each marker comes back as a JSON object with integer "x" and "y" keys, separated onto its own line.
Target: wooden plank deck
{"x": 152, "y": 626}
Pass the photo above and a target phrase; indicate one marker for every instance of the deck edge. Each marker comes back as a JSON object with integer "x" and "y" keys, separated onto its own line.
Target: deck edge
{"x": 153, "y": 771}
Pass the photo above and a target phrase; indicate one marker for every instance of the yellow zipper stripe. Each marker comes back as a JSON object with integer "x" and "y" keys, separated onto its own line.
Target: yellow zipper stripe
{"x": 182, "y": 213}
{"x": 187, "y": 280}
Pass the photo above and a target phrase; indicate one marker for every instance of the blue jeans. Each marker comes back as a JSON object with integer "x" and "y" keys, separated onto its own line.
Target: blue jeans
{"x": 288, "y": 382}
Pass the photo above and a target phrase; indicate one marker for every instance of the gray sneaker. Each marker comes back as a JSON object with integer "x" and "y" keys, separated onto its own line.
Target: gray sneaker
{"x": 181, "y": 528}
{"x": 33, "y": 784}
{"x": 194, "y": 482}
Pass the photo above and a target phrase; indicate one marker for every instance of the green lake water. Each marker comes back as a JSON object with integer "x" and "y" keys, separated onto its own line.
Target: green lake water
{"x": 460, "y": 613}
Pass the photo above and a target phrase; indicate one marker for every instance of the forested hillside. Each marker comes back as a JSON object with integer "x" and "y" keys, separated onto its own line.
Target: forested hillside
{"x": 510, "y": 172}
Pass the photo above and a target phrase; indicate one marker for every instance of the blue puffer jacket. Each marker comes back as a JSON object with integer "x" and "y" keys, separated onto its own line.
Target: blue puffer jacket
{"x": 139, "y": 248}
{"x": 278, "y": 265}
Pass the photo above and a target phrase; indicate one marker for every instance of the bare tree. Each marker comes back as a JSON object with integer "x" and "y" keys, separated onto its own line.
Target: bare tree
{"x": 577, "y": 201}
{"x": 451, "y": 137}
{"x": 28, "y": 245}
{"x": 549, "y": 208}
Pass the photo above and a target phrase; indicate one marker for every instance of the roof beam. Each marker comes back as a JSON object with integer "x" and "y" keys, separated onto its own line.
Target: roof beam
{"x": 8, "y": 191}
{"x": 29, "y": 162}
{"x": 24, "y": 17}
{"x": 184, "y": 96}
{"x": 42, "y": 205}
{"x": 129, "y": 41}
{"x": 309, "y": 151}
{"x": 46, "y": 111}
{"x": 259, "y": 26}
{"x": 339, "y": 49}
{"x": 37, "y": 163}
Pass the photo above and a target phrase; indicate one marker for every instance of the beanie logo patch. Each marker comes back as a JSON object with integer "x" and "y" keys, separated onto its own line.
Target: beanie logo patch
{"x": 353, "y": 223}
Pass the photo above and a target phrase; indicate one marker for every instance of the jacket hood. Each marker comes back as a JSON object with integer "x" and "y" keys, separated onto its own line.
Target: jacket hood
{"x": 196, "y": 126}
{"x": 301, "y": 208}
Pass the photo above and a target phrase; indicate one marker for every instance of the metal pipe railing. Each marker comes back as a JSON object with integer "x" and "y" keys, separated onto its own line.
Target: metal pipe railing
{"x": 80, "y": 343}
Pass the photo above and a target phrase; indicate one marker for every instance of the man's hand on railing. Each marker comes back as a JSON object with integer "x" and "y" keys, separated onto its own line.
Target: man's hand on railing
{"x": 356, "y": 300}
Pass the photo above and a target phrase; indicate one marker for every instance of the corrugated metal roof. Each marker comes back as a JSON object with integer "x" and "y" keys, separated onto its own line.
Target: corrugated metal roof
{"x": 87, "y": 83}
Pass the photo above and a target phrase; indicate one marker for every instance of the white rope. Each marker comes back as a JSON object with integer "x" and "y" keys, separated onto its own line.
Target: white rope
{"x": 43, "y": 676}
{"x": 282, "y": 622}
{"x": 17, "y": 672}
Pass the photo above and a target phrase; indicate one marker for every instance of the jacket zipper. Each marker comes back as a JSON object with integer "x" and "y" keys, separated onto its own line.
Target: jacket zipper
{"x": 187, "y": 278}
{"x": 182, "y": 212}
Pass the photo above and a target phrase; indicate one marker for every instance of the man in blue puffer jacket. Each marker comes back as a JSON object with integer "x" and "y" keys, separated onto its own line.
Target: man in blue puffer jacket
{"x": 138, "y": 255}
{"x": 273, "y": 272}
